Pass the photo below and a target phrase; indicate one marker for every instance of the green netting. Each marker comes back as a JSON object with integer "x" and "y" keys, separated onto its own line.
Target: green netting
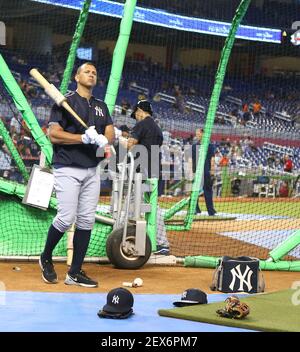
{"x": 24, "y": 233}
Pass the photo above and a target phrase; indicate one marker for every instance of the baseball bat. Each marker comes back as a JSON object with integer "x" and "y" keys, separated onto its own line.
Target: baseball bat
{"x": 55, "y": 94}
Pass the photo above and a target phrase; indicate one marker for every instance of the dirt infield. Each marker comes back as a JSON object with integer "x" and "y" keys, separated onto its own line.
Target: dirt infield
{"x": 205, "y": 237}
{"x": 157, "y": 279}
{"x": 173, "y": 199}
{"x": 248, "y": 225}
{"x": 236, "y": 199}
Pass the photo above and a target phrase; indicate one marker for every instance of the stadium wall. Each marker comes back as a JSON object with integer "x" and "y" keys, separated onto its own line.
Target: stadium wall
{"x": 199, "y": 57}
{"x": 282, "y": 63}
{"x": 58, "y": 39}
{"x": 149, "y": 51}
{"x": 25, "y": 35}
{"x": 217, "y": 137}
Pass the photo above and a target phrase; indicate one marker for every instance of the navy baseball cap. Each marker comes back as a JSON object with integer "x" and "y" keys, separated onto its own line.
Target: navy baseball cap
{"x": 144, "y": 105}
{"x": 119, "y": 303}
{"x": 190, "y": 297}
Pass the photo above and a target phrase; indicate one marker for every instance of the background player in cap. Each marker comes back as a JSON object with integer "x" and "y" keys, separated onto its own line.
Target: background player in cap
{"x": 77, "y": 178}
{"x": 147, "y": 133}
{"x": 209, "y": 168}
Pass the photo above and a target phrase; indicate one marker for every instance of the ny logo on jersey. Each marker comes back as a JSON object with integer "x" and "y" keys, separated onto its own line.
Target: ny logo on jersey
{"x": 99, "y": 111}
{"x": 245, "y": 278}
{"x": 115, "y": 299}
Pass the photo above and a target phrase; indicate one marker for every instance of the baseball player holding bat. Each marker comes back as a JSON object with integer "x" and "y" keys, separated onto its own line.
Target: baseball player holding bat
{"x": 77, "y": 178}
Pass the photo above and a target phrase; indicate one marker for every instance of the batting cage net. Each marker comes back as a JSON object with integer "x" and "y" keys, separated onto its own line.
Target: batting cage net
{"x": 222, "y": 79}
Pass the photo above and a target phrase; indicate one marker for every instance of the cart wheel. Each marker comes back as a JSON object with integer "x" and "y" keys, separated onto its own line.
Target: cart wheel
{"x": 124, "y": 258}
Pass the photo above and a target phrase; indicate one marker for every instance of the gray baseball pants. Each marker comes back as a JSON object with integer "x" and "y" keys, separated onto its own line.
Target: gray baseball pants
{"x": 77, "y": 192}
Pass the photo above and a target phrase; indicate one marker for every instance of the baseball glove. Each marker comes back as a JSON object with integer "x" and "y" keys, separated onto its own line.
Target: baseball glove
{"x": 234, "y": 309}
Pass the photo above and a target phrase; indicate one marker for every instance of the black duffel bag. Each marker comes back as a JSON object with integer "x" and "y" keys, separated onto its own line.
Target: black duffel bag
{"x": 238, "y": 274}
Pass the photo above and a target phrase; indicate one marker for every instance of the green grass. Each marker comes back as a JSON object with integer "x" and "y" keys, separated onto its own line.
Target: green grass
{"x": 290, "y": 209}
{"x": 271, "y": 208}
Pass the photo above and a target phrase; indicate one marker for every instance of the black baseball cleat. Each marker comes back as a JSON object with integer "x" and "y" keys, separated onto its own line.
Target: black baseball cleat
{"x": 48, "y": 273}
{"x": 80, "y": 279}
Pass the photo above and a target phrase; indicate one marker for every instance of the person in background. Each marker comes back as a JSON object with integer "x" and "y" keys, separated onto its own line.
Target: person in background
{"x": 5, "y": 160}
{"x": 287, "y": 164}
{"x": 148, "y": 134}
{"x": 209, "y": 168}
{"x": 218, "y": 172}
{"x": 125, "y": 106}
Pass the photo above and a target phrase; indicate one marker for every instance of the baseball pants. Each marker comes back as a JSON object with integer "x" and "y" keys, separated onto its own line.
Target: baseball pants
{"x": 77, "y": 192}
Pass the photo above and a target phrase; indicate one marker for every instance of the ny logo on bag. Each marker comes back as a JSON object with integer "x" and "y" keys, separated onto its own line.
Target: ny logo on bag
{"x": 245, "y": 278}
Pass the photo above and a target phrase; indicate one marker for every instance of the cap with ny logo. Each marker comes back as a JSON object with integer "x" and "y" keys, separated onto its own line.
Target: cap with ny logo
{"x": 191, "y": 296}
{"x": 119, "y": 303}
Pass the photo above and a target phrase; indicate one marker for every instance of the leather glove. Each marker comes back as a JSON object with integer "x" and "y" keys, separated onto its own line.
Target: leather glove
{"x": 234, "y": 309}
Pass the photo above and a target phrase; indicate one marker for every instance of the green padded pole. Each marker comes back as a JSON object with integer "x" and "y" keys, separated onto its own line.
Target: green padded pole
{"x": 18, "y": 189}
{"x": 13, "y": 151}
{"x": 201, "y": 261}
{"x": 286, "y": 246}
{"x": 119, "y": 55}
{"x": 22, "y": 105}
{"x": 74, "y": 45}
{"x": 212, "y": 262}
{"x": 151, "y": 217}
{"x": 280, "y": 266}
{"x": 214, "y": 101}
{"x": 175, "y": 227}
{"x": 176, "y": 207}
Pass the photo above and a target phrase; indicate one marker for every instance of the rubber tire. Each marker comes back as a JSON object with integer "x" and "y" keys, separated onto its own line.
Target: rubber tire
{"x": 118, "y": 258}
